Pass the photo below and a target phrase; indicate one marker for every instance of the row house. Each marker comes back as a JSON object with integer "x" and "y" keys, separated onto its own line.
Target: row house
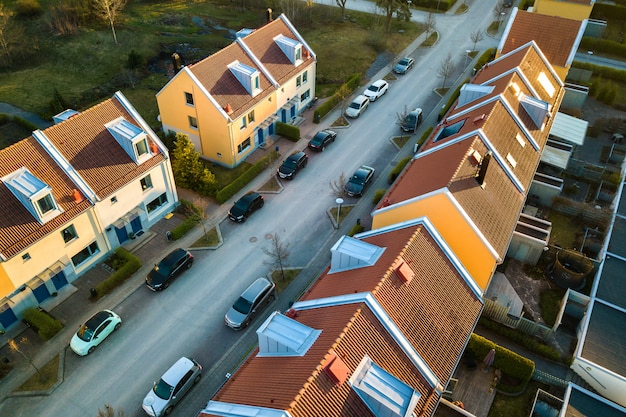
{"x": 375, "y": 335}
{"x": 472, "y": 176}
{"x": 569, "y": 9}
{"x": 228, "y": 103}
{"x": 71, "y": 194}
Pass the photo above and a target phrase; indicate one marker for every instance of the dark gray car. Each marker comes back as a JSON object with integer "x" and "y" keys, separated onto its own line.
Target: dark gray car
{"x": 254, "y": 297}
{"x": 172, "y": 386}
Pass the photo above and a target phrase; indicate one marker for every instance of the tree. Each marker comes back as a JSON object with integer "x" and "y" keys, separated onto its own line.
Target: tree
{"x": 278, "y": 253}
{"x": 446, "y": 69}
{"x": 200, "y": 206}
{"x": 390, "y": 7}
{"x": 15, "y": 348}
{"x": 499, "y": 11}
{"x": 189, "y": 171}
{"x": 401, "y": 116}
{"x": 110, "y": 412}
{"x": 10, "y": 33}
{"x": 291, "y": 8}
{"x": 338, "y": 186}
{"x": 476, "y": 37}
{"x": 108, "y": 11}
{"x": 342, "y": 6}
{"x": 429, "y": 24}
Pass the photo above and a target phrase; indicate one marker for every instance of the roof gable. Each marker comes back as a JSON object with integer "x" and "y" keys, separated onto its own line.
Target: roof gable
{"x": 350, "y": 253}
{"x": 280, "y": 335}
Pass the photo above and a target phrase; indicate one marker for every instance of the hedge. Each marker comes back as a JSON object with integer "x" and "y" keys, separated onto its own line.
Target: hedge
{"x": 608, "y": 73}
{"x": 46, "y": 325}
{"x": 6, "y": 119}
{"x": 443, "y": 5}
{"x": 378, "y": 194}
{"x": 450, "y": 102}
{"x": 486, "y": 56}
{"x": 288, "y": 131}
{"x": 507, "y": 361}
{"x": 604, "y": 11}
{"x": 398, "y": 169}
{"x": 182, "y": 229}
{"x": 603, "y": 45}
{"x": 251, "y": 173}
{"x": 350, "y": 85}
{"x": 118, "y": 277}
{"x": 425, "y": 136}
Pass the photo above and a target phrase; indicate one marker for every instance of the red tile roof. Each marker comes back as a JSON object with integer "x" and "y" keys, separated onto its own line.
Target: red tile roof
{"x": 299, "y": 384}
{"x": 556, "y": 36}
{"x": 18, "y": 228}
{"x": 94, "y": 153}
{"x": 437, "y": 328}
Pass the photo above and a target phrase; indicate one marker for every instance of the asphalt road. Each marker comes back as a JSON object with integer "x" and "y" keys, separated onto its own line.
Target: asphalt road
{"x": 187, "y": 318}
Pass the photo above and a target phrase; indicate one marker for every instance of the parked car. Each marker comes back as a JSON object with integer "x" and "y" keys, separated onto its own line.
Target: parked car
{"x": 376, "y": 89}
{"x": 169, "y": 268}
{"x": 358, "y": 106}
{"x": 404, "y": 65}
{"x": 172, "y": 387}
{"x": 322, "y": 139}
{"x": 294, "y": 163}
{"x": 358, "y": 182}
{"x": 245, "y": 206}
{"x": 412, "y": 120}
{"x": 507, "y": 3}
{"x": 94, "y": 331}
{"x": 246, "y": 306}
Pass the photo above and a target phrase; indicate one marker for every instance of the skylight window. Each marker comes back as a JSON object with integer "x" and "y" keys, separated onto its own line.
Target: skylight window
{"x": 383, "y": 393}
{"x": 450, "y": 130}
{"x": 546, "y": 84}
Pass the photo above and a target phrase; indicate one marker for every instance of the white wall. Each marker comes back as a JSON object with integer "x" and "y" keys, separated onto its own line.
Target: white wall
{"x": 608, "y": 384}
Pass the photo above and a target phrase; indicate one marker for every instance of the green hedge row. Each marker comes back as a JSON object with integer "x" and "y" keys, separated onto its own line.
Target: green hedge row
{"x": 288, "y": 131}
{"x": 443, "y": 5}
{"x": 604, "y": 72}
{"x": 346, "y": 89}
{"x": 251, "y": 173}
{"x": 6, "y": 119}
{"x": 486, "y": 56}
{"x": 604, "y": 11}
{"x": 450, "y": 102}
{"x": 118, "y": 277}
{"x": 378, "y": 194}
{"x": 424, "y": 136}
{"x": 509, "y": 362}
{"x": 182, "y": 229}
{"x": 603, "y": 45}
{"x": 46, "y": 325}
{"x": 395, "y": 172}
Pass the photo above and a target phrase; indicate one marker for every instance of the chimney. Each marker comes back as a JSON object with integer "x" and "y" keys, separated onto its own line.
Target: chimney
{"x": 176, "y": 61}
{"x": 228, "y": 108}
{"x": 482, "y": 169}
{"x": 154, "y": 148}
{"x": 268, "y": 14}
{"x": 77, "y": 196}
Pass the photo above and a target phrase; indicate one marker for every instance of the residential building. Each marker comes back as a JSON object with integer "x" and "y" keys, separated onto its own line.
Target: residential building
{"x": 569, "y": 9}
{"x": 72, "y": 193}
{"x": 228, "y": 103}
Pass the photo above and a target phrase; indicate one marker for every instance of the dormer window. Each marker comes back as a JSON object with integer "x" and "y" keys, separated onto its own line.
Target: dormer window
{"x": 248, "y": 77}
{"x": 34, "y": 194}
{"x": 291, "y": 48}
{"x": 131, "y": 138}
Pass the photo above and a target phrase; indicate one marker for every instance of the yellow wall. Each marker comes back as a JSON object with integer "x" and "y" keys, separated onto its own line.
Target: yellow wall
{"x": 562, "y": 8}
{"x": 470, "y": 250}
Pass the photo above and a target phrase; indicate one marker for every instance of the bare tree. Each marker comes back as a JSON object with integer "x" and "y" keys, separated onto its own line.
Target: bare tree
{"x": 278, "y": 253}
{"x": 110, "y": 412}
{"x": 15, "y": 348}
{"x": 390, "y": 7}
{"x": 446, "y": 69}
{"x": 429, "y": 24}
{"x": 499, "y": 11}
{"x": 401, "y": 116}
{"x": 200, "y": 206}
{"x": 338, "y": 186}
{"x": 476, "y": 37}
{"x": 10, "y": 33}
{"x": 108, "y": 11}
{"x": 291, "y": 8}
{"x": 342, "y": 6}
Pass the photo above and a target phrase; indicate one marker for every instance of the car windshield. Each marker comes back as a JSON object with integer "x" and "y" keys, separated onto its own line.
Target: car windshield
{"x": 242, "y": 305}
{"x": 163, "y": 390}
{"x": 355, "y": 105}
{"x": 318, "y": 138}
{"x": 358, "y": 178}
{"x": 291, "y": 162}
{"x": 373, "y": 88}
{"x": 242, "y": 204}
{"x": 85, "y": 333}
{"x": 410, "y": 119}
{"x": 404, "y": 61}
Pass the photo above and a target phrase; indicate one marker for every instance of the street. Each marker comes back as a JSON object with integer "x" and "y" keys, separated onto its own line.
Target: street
{"x": 187, "y": 318}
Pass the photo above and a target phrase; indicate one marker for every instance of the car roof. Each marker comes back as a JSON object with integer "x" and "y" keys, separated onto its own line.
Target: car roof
{"x": 297, "y": 155}
{"x": 359, "y": 99}
{"x": 98, "y": 318}
{"x": 249, "y": 196}
{"x": 255, "y": 288}
{"x": 378, "y": 83}
{"x": 416, "y": 111}
{"x": 173, "y": 375}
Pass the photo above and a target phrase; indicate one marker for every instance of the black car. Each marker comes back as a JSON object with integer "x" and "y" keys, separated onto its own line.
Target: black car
{"x": 292, "y": 165}
{"x": 322, "y": 139}
{"x": 357, "y": 183}
{"x": 245, "y": 206}
{"x": 165, "y": 271}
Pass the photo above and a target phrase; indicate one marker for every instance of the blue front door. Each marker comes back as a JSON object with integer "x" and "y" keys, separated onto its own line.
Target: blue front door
{"x": 59, "y": 280}
{"x": 293, "y": 111}
{"x": 122, "y": 234}
{"x": 41, "y": 293}
{"x": 136, "y": 224}
{"x": 261, "y": 136}
{"x": 7, "y": 316}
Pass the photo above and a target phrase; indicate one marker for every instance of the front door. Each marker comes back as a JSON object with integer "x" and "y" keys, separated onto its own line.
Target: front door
{"x": 41, "y": 293}
{"x": 136, "y": 224}
{"x": 122, "y": 234}
{"x": 59, "y": 280}
{"x": 7, "y": 316}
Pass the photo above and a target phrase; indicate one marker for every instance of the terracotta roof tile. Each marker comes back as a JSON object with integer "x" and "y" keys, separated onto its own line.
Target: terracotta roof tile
{"x": 437, "y": 328}
{"x": 556, "y": 36}
{"x": 93, "y": 152}
{"x": 18, "y": 228}
{"x": 300, "y": 386}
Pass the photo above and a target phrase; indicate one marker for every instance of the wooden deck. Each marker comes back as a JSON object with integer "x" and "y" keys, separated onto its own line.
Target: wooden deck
{"x": 474, "y": 389}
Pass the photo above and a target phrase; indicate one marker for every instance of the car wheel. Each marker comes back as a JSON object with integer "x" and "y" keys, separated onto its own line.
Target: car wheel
{"x": 195, "y": 381}
{"x": 91, "y": 349}
{"x": 165, "y": 285}
{"x": 189, "y": 264}
{"x": 167, "y": 411}
{"x": 262, "y": 204}
{"x": 117, "y": 326}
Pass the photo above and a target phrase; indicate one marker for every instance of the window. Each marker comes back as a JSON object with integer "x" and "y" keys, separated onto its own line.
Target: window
{"x": 243, "y": 122}
{"x": 251, "y": 117}
{"x": 193, "y": 122}
{"x": 45, "y": 204}
{"x": 85, "y": 254}
{"x": 304, "y": 77}
{"x": 26, "y": 256}
{"x": 305, "y": 96}
{"x": 298, "y": 54}
{"x": 450, "y": 130}
{"x": 146, "y": 182}
{"x": 156, "y": 203}
{"x": 298, "y": 81}
{"x": 520, "y": 140}
{"x": 257, "y": 84}
{"x": 511, "y": 160}
{"x": 69, "y": 233}
{"x": 189, "y": 98}
{"x": 243, "y": 145}
{"x": 141, "y": 147}
{"x": 113, "y": 200}
{"x": 546, "y": 84}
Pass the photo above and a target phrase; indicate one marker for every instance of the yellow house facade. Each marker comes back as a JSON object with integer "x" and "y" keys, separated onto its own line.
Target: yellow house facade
{"x": 569, "y": 9}
{"x": 229, "y": 103}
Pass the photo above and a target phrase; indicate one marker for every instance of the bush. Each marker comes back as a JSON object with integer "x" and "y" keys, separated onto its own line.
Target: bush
{"x": 46, "y": 325}
{"x": 288, "y": 131}
{"x": 357, "y": 228}
{"x": 4, "y": 119}
{"x": 24, "y": 123}
{"x": 604, "y": 72}
{"x": 378, "y": 194}
{"x": 425, "y": 136}
{"x": 28, "y": 8}
{"x": 486, "y": 57}
{"x": 347, "y": 88}
{"x": 251, "y": 173}
{"x": 121, "y": 275}
{"x": 451, "y": 101}
{"x": 182, "y": 229}
{"x": 395, "y": 172}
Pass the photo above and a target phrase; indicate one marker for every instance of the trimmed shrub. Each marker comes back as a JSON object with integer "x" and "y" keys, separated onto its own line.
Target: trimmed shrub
{"x": 4, "y": 119}
{"x": 24, "y": 123}
{"x": 28, "y": 8}
{"x": 425, "y": 136}
{"x": 486, "y": 57}
{"x": 251, "y": 173}
{"x": 46, "y": 325}
{"x": 357, "y": 228}
{"x": 378, "y": 194}
{"x": 348, "y": 87}
{"x": 118, "y": 277}
{"x": 604, "y": 72}
{"x": 288, "y": 131}
{"x": 395, "y": 172}
{"x": 182, "y": 229}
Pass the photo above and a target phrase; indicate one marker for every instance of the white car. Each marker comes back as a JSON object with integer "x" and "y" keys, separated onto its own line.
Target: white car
{"x": 358, "y": 106}
{"x": 94, "y": 331}
{"x": 376, "y": 90}
{"x": 172, "y": 387}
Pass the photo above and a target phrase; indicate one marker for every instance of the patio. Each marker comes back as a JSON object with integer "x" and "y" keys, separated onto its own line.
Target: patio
{"x": 473, "y": 388}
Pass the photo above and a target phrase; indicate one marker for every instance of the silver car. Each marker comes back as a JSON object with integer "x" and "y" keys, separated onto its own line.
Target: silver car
{"x": 244, "y": 309}
{"x": 172, "y": 386}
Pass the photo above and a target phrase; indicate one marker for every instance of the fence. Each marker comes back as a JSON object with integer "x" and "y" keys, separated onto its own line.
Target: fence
{"x": 500, "y": 314}
{"x": 546, "y": 378}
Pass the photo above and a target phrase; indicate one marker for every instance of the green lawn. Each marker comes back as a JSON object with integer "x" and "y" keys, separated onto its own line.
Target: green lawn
{"x": 515, "y": 406}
